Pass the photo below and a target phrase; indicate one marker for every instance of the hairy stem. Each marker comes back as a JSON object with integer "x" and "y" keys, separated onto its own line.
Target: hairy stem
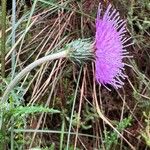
{"x": 44, "y": 59}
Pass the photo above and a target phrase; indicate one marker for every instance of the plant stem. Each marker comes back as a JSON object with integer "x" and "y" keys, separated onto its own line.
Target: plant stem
{"x": 13, "y": 67}
{"x": 13, "y": 56}
{"x": 3, "y": 38}
{"x": 44, "y": 59}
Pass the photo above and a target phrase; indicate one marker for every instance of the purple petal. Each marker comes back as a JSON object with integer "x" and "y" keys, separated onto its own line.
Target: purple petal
{"x": 110, "y": 50}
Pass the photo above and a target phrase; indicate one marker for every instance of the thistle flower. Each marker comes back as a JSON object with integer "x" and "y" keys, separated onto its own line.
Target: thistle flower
{"x": 110, "y": 48}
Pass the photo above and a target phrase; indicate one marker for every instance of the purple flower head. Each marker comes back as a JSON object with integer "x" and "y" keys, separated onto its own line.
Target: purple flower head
{"x": 110, "y": 40}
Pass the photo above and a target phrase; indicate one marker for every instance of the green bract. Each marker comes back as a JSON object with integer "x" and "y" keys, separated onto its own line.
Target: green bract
{"x": 80, "y": 51}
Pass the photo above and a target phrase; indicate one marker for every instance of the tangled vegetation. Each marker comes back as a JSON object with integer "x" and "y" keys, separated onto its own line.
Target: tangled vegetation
{"x": 59, "y": 105}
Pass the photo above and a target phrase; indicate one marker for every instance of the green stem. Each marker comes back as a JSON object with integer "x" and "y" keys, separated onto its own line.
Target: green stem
{"x": 3, "y": 38}
{"x": 44, "y": 59}
{"x": 13, "y": 67}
